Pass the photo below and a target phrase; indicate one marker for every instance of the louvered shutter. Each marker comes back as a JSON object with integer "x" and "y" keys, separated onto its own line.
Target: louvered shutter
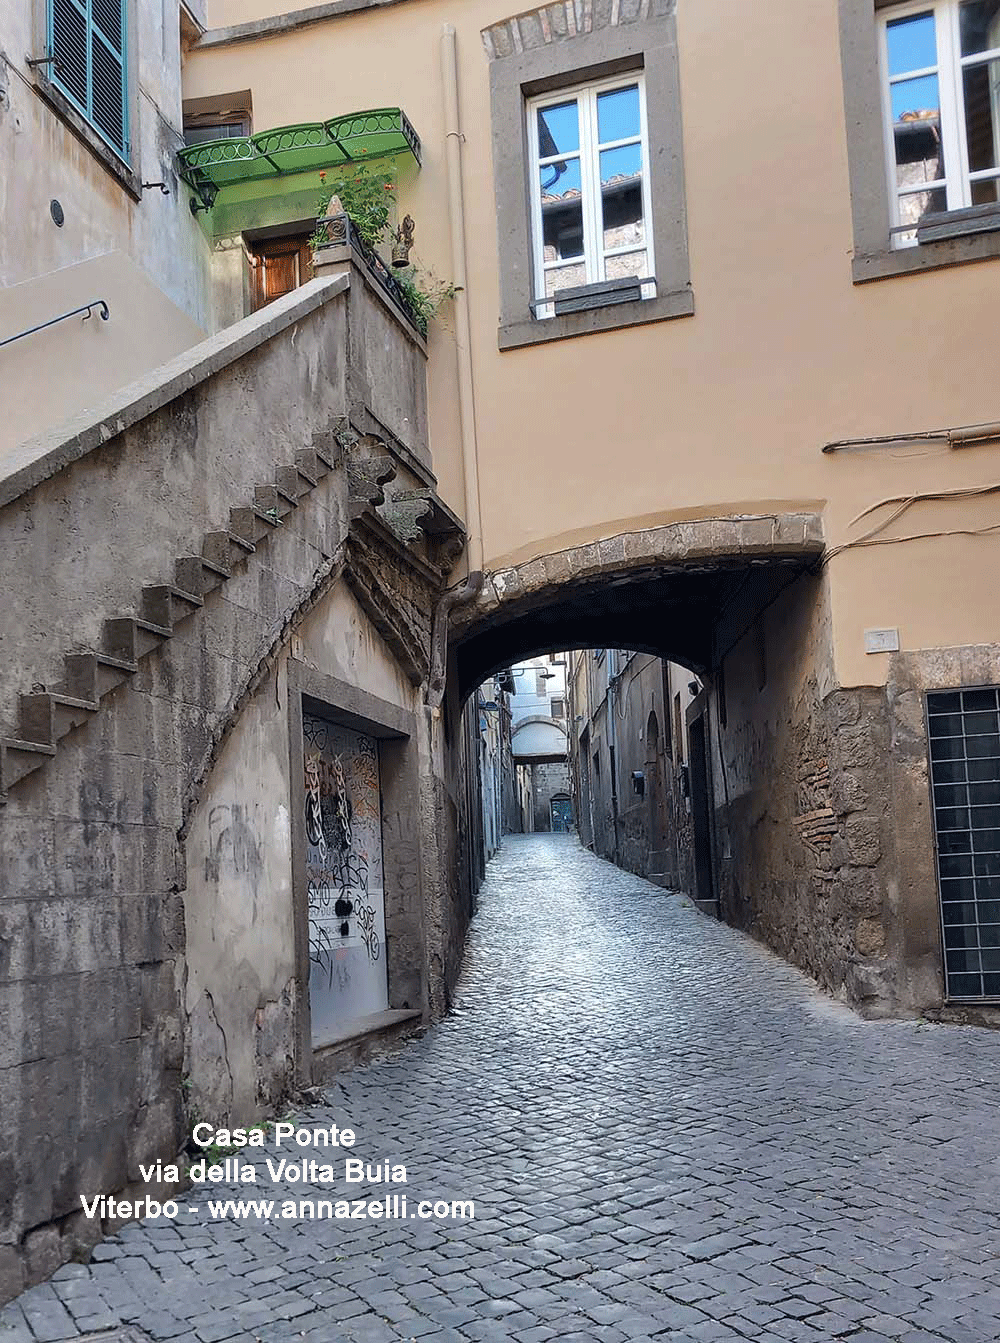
{"x": 88, "y": 40}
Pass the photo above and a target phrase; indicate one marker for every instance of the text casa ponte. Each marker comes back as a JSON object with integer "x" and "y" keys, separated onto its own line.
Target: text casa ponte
{"x": 231, "y": 1170}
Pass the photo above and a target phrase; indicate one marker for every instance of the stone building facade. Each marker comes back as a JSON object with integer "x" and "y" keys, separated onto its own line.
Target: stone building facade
{"x": 630, "y": 762}
{"x": 733, "y": 448}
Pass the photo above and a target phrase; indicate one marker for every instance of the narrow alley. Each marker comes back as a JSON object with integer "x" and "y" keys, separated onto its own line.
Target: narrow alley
{"x": 666, "y": 1131}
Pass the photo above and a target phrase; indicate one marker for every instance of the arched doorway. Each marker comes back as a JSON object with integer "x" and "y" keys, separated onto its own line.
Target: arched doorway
{"x": 560, "y": 813}
{"x": 659, "y": 864}
{"x": 751, "y": 766}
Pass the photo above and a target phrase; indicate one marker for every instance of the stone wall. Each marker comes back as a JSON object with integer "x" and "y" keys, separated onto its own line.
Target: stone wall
{"x": 151, "y": 952}
{"x": 653, "y": 837}
{"x": 547, "y": 781}
{"x": 804, "y": 850}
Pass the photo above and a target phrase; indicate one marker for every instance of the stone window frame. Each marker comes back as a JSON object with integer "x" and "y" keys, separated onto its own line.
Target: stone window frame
{"x": 124, "y": 170}
{"x": 543, "y": 52}
{"x": 874, "y": 256}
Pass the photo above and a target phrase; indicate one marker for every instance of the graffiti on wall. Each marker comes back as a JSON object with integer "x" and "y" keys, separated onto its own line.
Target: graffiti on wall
{"x": 343, "y": 827}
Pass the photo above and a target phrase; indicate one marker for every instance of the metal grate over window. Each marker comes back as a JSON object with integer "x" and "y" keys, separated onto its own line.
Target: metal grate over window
{"x": 87, "y": 39}
{"x": 964, "y": 732}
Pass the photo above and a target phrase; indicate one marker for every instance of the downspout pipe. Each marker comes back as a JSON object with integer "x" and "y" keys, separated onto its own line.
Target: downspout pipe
{"x": 463, "y": 344}
{"x": 468, "y": 590}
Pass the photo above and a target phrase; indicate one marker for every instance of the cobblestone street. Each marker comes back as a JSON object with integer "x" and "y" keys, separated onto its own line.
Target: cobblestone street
{"x": 667, "y": 1132}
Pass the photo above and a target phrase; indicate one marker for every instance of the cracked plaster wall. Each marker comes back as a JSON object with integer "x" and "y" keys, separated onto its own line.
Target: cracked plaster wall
{"x": 238, "y": 914}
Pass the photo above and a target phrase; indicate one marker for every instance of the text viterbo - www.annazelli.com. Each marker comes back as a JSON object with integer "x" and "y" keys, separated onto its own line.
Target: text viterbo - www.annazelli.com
{"x": 392, "y": 1208}
{"x": 233, "y": 1170}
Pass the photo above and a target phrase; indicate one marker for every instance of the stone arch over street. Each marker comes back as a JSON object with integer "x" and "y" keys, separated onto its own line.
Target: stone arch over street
{"x": 790, "y": 774}
{"x": 663, "y": 590}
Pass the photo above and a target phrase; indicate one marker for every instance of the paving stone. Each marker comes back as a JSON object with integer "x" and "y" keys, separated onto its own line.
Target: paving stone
{"x": 46, "y": 1316}
{"x": 669, "y": 1134}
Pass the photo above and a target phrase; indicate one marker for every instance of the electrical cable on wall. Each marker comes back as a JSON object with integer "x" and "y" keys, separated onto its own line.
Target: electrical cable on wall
{"x": 904, "y": 502}
{"x": 633, "y": 674}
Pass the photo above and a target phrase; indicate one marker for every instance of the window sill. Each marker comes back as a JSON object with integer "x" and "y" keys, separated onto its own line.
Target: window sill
{"x": 586, "y": 321}
{"x": 934, "y": 255}
{"x": 83, "y": 130}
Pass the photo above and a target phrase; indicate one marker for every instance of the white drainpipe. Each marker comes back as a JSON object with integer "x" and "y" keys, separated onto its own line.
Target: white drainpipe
{"x": 456, "y": 213}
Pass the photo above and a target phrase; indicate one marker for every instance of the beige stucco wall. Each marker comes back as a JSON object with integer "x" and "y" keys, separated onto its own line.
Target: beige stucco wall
{"x": 159, "y": 306}
{"x": 724, "y": 412}
{"x": 60, "y": 372}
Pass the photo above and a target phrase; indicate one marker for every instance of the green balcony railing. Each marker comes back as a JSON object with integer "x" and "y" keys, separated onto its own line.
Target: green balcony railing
{"x": 209, "y": 167}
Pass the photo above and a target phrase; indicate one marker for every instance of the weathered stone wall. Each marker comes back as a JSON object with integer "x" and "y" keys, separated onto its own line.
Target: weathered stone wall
{"x": 804, "y": 847}
{"x": 547, "y": 781}
{"x": 161, "y": 824}
{"x": 653, "y": 820}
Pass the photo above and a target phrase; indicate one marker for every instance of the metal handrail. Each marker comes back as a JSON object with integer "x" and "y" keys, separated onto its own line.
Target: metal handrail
{"x": 87, "y": 308}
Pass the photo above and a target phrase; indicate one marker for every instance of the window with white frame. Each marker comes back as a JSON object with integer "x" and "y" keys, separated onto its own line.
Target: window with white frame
{"x": 590, "y": 187}
{"x": 941, "y": 88}
{"x": 87, "y": 40}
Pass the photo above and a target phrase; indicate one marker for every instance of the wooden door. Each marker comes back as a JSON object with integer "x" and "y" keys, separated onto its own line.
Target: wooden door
{"x": 279, "y": 266}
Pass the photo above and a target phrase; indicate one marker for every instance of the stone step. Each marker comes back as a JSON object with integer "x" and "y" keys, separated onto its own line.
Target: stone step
{"x": 311, "y": 465}
{"x": 20, "y": 758}
{"x": 270, "y": 502}
{"x": 289, "y": 485}
{"x": 226, "y": 549}
{"x": 165, "y": 604}
{"x": 251, "y": 525}
{"x": 128, "y": 638}
{"x": 94, "y": 675}
{"x": 302, "y": 472}
{"x": 194, "y": 573}
{"x": 47, "y": 717}
{"x": 327, "y": 448}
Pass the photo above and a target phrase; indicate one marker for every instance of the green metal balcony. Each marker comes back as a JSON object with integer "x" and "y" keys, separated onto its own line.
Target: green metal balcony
{"x": 282, "y": 161}
{"x": 299, "y": 149}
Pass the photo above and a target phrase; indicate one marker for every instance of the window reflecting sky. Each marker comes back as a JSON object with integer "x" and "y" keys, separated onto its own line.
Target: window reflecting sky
{"x": 912, "y": 44}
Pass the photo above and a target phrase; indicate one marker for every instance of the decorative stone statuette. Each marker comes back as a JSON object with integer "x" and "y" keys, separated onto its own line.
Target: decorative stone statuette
{"x": 402, "y": 242}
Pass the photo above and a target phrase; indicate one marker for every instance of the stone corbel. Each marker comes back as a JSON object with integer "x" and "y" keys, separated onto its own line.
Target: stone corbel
{"x": 422, "y": 511}
{"x": 447, "y": 550}
{"x": 369, "y": 468}
{"x": 405, "y": 512}
{"x": 366, "y": 477}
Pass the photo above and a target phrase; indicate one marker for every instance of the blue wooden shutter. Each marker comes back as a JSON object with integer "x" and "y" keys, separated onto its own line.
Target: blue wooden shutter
{"x": 88, "y": 40}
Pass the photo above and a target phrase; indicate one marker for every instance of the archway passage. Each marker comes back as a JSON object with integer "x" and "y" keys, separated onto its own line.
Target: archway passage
{"x": 688, "y": 612}
{"x": 771, "y": 804}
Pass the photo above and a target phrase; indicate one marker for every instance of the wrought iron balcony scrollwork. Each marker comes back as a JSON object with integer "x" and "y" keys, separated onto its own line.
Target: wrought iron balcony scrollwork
{"x": 339, "y": 231}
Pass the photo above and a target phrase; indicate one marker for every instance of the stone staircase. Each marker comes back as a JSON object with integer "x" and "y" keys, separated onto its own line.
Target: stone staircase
{"x": 47, "y": 716}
